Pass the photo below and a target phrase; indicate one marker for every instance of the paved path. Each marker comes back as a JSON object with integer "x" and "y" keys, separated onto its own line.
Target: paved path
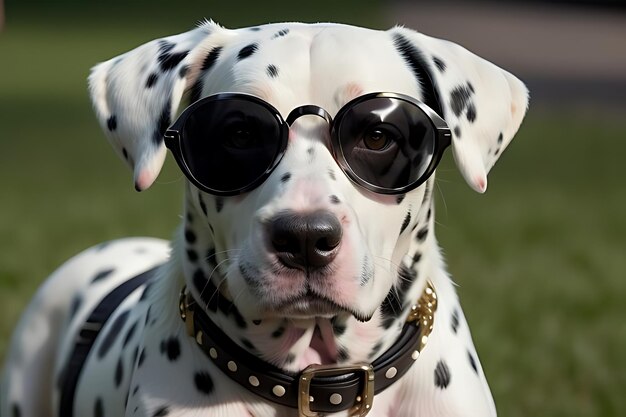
{"x": 567, "y": 55}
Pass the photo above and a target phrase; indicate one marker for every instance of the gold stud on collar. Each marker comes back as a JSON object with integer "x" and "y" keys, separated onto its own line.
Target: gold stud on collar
{"x": 423, "y": 313}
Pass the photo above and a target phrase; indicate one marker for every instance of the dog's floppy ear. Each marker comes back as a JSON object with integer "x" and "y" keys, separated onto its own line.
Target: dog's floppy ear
{"x": 483, "y": 104}
{"x": 136, "y": 95}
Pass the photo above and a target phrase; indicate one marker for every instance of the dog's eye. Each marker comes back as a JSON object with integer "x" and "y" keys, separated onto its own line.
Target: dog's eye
{"x": 378, "y": 138}
{"x": 240, "y": 136}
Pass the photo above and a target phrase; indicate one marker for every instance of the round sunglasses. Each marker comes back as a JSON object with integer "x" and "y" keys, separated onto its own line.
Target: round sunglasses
{"x": 229, "y": 143}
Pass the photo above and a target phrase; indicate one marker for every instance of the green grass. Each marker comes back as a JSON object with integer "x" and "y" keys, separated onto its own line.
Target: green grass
{"x": 540, "y": 258}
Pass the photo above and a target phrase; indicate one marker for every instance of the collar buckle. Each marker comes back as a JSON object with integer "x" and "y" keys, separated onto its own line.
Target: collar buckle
{"x": 185, "y": 310}
{"x": 363, "y": 402}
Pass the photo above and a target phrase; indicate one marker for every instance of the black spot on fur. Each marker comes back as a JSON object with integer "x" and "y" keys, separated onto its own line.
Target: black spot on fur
{"x": 441, "y": 66}
{"x": 419, "y": 66}
{"x": 331, "y": 174}
{"x": 417, "y": 257}
{"x": 211, "y": 58}
{"x": 135, "y": 390}
{"x": 171, "y": 348}
{"x": 16, "y": 411}
{"x": 112, "y": 123}
{"x": 334, "y": 199}
{"x": 454, "y": 321}
{"x": 290, "y": 358}
{"x": 152, "y": 79}
{"x": 119, "y": 373}
{"x": 310, "y": 151}
{"x": 182, "y": 73}
{"x": 190, "y": 236}
{"x": 400, "y": 198}
{"x": 148, "y": 314}
{"x": 202, "y": 205}
{"x": 168, "y": 59}
{"x": 500, "y": 138}
{"x": 129, "y": 334}
{"x": 135, "y": 355}
{"x": 339, "y": 327}
{"x": 286, "y": 176}
{"x": 256, "y": 322}
{"x": 342, "y": 355}
{"x": 280, "y": 33}
{"x": 405, "y": 223}
{"x": 457, "y": 132}
{"x": 375, "y": 350}
{"x": 442, "y": 375}
{"x": 272, "y": 71}
{"x": 203, "y": 382}
{"x": 192, "y": 255}
{"x": 278, "y": 332}
{"x": 472, "y": 362}
{"x": 247, "y": 344}
{"x": 146, "y": 291}
{"x": 102, "y": 275}
{"x": 98, "y": 408}
{"x": 254, "y": 29}
{"x": 460, "y": 99}
{"x": 395, "y": 302}
{"x": 422, "y": 233}
{"x": 162, "y": 124}
{"x": 471, "y": 113}
{"x": 219, "y": 204}
{"x": 125, "y": 153}
{"x": 76, "y": 302}
{"x": 142, "y": 357}
{"x": 161, "y": 412}
{"x": 111, "y": 335}
{"x": 246, "y": 51}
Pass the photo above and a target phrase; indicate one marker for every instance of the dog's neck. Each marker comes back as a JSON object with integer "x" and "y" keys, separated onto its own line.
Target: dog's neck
{"x": 293, "y": 344}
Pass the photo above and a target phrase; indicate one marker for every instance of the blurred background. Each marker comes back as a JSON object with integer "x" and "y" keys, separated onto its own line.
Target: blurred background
{"x": 539, "y": 259}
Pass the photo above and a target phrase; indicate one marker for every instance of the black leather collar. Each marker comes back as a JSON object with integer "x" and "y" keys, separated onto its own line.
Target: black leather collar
{"x": 317, "y": 389}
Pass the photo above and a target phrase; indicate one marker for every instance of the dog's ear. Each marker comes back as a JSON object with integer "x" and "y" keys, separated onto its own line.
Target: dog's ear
{"x": 483, "y": 104}
{"x": 137, "y": 94}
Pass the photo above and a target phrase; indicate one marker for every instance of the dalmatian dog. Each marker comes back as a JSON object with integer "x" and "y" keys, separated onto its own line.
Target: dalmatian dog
{"x": 307, "y": 238}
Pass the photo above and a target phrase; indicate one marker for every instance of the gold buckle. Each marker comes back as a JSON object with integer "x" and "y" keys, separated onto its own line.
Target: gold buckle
{"x": 364, "y": 401}
{"x": 186, "y": 311}
{"x": 423, "y": 313}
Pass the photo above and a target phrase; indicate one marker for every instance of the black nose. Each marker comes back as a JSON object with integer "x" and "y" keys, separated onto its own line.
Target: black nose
{"x": 305, "y": 241}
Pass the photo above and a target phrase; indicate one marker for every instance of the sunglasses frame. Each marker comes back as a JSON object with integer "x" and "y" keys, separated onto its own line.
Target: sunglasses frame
{"x": 173, "y": 139}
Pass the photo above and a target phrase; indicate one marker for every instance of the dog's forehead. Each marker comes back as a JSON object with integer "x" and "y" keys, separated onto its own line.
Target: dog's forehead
{"x": 294, "y": 64}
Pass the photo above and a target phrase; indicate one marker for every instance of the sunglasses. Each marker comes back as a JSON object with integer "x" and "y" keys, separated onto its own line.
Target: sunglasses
{"x": 229, "y": 143}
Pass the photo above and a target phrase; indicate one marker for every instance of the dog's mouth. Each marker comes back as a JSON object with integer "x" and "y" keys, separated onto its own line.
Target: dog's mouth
{"x": 310, "y": 305}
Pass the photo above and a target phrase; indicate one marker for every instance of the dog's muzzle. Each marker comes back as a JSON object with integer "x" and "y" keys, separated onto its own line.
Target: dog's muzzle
{"x": 318, "y": 389}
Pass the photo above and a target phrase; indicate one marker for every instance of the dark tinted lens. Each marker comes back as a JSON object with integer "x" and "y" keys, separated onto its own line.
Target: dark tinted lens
{"x": 387, "y": 142}
{"x": 229, "y": 143}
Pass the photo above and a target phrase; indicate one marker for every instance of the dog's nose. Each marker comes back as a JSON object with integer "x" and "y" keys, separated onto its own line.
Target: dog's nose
{"x": 305, "y": 241}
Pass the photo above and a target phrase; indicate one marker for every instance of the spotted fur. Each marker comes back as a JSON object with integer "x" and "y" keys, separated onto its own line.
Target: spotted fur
{"x": 143, "y": 363}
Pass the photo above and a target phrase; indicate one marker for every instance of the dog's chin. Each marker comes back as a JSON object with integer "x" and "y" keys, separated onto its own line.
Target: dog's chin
{"x": 310, "y": 306}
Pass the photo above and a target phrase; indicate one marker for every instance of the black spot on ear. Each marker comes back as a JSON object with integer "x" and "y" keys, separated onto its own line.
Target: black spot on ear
{"x": 471, "y": 112}
{"x": 112, "y": 123}
{"x": 441, "y": 66}
{"x": 119, "y": 373}
{"x": 472, "y": 362}
{"x": 422, "y": 233}
{"x": 168, "y": 59}
{"x": 280, "y": 33}
{"x": 310, "y": 151}
{"x": 457, "y": 132}
{"x": 285, "y": 177}
{"x": 16, "y": 411}
{"x": 442, "y": 375}
{"x": 500, "y": 138}
{"x": 171, "y": 348}
{"x": 102, "y": 275}
{"x": 190, "y": 236}
{"x": 254, "y": 29}
{"x": 192, "y": 255}
{"x": 152, "y": 79}
{"x": 400, "y": 198}
{"x": 334, "y": 199}
{"x": 246, "y": 51}
{"x": 272, "y": 71}
{"x": 161, "y": 412}
{"x": 460, "y": 98}
{"x": 112, "y": 332}
{"x": 405, "y": 223}
{"x": 419, "y": 66}
{"x": 129, "y": 334}
{"x": 454, "y": 321}
{"x": 219, "y": 204}
{"x": 203, "y": 382}
{"x": 98, "y": 408}
{"x": 162, "y": 124}
{"x": 182, "y": 73}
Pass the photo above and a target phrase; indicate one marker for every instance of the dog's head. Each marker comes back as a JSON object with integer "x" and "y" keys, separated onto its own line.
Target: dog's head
{"x": 307, "y": 240}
